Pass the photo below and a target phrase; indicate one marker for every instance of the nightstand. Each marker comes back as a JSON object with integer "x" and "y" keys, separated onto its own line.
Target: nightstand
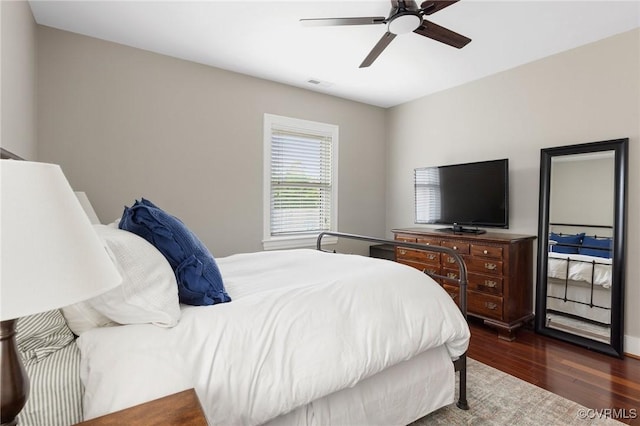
{"x": 182, "y": 408}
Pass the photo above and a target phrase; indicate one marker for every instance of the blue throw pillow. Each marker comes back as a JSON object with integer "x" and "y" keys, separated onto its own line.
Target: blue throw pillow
{"x": 599, "y": 247}
{"x": 199, "y": 279}
{"x": 573, "y": 242}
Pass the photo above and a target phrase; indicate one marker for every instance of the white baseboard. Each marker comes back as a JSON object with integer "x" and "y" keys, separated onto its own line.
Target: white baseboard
{"x": 632, "y": 345}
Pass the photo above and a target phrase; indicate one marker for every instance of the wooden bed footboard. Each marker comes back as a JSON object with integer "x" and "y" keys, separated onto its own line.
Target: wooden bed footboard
{"x": 461, "y": 363}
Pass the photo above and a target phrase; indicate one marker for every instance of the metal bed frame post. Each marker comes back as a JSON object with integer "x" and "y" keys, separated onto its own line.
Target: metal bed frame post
{"x": 461, "y": 363}
{"x": 593, "y": 264}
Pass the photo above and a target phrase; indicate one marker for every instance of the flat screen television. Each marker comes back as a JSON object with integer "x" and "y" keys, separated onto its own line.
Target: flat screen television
{"x": 466, "y": 196}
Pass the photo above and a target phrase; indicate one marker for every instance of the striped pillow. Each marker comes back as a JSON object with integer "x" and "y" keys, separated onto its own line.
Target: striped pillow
{"x": 41, "y": 334}
{"x": 55, "y": 398}
{"x": 52, "y": 360}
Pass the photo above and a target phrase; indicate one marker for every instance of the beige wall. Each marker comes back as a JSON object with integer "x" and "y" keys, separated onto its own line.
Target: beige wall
{"x": 125, "y": 123}
{"x": 18, "y": 47}
{"x": 588, "y": 94}
{"x": 582, "y": 191}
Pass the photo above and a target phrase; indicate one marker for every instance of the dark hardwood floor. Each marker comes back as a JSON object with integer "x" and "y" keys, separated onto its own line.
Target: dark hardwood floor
{"x": 589, "y": 378}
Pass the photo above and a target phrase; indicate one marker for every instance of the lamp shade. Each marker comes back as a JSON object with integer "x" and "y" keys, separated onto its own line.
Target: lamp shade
{"x": 50, "y": 254}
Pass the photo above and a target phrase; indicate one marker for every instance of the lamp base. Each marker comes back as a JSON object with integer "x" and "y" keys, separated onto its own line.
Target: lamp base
{"x": 15, "y": 383}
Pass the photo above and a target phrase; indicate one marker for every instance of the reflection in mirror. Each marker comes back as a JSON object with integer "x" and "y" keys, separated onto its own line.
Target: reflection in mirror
{"x": 580, "y": 241}
{"x": 580, "y": 279}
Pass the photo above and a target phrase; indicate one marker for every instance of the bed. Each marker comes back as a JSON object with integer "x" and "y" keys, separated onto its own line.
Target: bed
{"x": 579, "y": 274}
{"x": 307, "y": 337}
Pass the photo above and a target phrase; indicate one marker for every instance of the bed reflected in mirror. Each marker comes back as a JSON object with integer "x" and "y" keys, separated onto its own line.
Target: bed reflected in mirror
{"x": 580, "y": 264}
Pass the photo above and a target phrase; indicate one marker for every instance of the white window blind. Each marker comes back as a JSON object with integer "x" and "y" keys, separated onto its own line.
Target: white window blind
{"x": 427, "y": 195}
{"x": 301, "y": 191}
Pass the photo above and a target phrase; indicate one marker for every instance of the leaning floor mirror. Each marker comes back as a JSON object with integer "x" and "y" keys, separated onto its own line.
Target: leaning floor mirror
{"x": 581, "y": 244}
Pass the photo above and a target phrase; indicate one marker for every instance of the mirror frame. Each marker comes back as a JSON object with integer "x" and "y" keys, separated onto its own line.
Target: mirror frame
{"x": 620, "y": 148}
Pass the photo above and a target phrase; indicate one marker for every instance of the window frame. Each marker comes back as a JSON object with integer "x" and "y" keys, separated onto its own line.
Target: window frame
{"x": 298, "y": 240}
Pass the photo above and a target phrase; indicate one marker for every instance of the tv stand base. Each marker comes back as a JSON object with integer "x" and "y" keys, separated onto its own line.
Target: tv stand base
{"x": 457, "y": 229}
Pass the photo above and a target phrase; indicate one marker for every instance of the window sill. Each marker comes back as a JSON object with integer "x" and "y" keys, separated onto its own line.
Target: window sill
{"x": 308, "y": 241}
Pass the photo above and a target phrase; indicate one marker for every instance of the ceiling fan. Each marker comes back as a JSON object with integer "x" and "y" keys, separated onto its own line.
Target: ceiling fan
{"x": 405, "y": 16}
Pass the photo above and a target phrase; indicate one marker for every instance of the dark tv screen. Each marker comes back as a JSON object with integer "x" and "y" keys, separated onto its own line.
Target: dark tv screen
{"x": 470, "y": 194}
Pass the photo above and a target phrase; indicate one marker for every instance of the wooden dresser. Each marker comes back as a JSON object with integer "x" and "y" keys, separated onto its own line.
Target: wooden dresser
{"x": 500, "y": 272}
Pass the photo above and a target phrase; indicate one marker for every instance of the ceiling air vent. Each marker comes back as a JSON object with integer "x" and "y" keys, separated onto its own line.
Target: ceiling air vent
{"x": 318, "y": 82}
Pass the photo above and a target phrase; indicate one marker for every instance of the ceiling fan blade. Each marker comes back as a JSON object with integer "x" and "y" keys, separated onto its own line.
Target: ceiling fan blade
{"x": 430, "y": 7}
{"x": 442, "y": 34}
{"x": 370, "y": 20}
{"x": 377, "y": 49}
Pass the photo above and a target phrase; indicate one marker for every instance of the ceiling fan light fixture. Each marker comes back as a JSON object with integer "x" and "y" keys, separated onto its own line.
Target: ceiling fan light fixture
{"x": 404, "y": 23}
{"x": 404, "y": 17}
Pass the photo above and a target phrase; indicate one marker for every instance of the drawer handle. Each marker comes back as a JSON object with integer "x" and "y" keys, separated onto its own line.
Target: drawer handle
{"x": 403, "y": 252}
{"x": 451, "y": 260}
{"x": 428, "y": 271}
{"x": 491, "y": 305}
{"x": 490, "y": 266}
{"x": 431, "y": 256}
{"x": 455, "y": 247}
{"x": 489, "y": 283}
{"x": 452, "y": 275}
{"x": 485, "y": 251}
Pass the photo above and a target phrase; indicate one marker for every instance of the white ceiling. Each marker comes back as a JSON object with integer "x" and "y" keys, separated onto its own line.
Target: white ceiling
{"x": 265, "y": 39}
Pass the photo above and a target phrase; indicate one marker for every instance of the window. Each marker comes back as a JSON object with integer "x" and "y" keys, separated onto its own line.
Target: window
{"x": 300, "y": 181}
{"x": 427, "y": 187}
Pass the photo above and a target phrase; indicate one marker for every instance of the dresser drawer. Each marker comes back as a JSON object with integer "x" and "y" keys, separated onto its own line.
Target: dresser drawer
{"x": 485, "y": 283}
{"x": 486, "y": 251}
{"x": 459, "y": 246}
{"x": 484, "y": 266}
{"x": 405, "y": 238}
{"x": 428, "y": 241}
{"x": 431, "y": 269}
{"x": 418, "y": 255}
{"x": 478, "y": 303}
{"x": 450, "y": 262}
{"x": 451, "y": 273}
{"x": 484, "y": 304}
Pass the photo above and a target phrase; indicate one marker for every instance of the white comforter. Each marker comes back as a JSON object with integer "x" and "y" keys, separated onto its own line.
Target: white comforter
{"x": 581, "y": 268}
{"x": 302, "y": 324}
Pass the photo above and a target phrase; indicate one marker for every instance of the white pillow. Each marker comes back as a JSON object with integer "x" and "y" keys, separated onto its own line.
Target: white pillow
{"x": 148, "y": 293}
{"x": 115, "y": 223}
{"x": 82, "y": 316}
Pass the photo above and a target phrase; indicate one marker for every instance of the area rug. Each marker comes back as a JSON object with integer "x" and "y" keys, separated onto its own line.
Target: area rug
{"x": 497, "y": 398}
